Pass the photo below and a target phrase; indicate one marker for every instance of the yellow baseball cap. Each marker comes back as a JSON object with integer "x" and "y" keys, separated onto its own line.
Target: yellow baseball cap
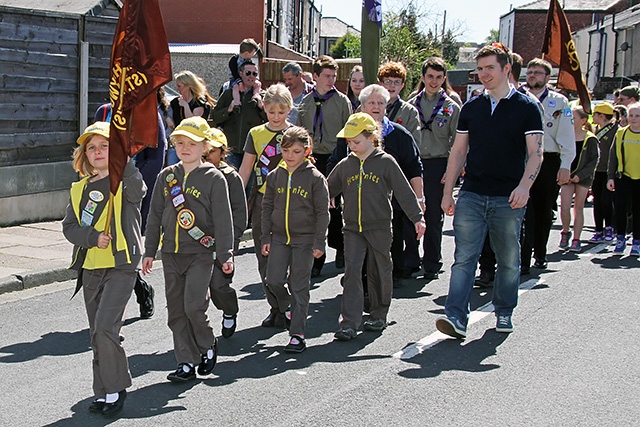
{"x": 195, "y": 128}
{"x": 218, "y": 139}
{"x": 356, "y": 124}
{"x": 603, "y": 108}
{"x": 98, "y": 128}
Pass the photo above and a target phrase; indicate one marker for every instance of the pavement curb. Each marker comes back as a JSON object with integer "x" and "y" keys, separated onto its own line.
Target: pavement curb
{"x": 32, "y": 279}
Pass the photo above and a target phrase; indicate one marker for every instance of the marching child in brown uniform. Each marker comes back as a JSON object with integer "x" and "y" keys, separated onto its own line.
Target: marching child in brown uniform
{"x": 106, "y": 264}
{"x": 262, "y": 155}
{"x": 224, "y": 297}
{"x": 190, "y": 207}
{"x": 295, "y": 216}
{"x": 367, "y": 178}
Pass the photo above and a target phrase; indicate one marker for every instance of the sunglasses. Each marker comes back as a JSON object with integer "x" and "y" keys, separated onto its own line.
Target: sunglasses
{"x": 248, "y": 73}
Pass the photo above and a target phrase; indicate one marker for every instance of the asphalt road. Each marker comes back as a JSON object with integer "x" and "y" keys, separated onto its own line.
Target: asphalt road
{"x": 572, "y": 359}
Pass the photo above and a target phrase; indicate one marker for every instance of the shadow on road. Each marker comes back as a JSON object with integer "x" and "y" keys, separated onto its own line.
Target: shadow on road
{"x": 145, "y": 402}
{"x": 51, "y": 344}
{"x": 452, "y": 355}
{"x": 617, "y": 262}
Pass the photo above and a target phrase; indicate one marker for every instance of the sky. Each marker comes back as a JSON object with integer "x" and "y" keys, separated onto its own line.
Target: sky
{"x": 473, "y": 17}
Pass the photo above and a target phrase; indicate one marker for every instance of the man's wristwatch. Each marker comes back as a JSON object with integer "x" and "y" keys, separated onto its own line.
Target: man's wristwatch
{"x": 420, "y": 199}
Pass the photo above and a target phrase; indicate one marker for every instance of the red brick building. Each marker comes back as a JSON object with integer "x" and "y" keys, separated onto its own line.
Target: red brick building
{"x": 293, "y": 24}
{"x": 219, "y": 21}
{"x": 522, "y": 29}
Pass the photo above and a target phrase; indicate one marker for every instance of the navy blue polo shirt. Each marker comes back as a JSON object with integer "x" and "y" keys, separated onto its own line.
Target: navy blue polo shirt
{"x": 497, "y": 145}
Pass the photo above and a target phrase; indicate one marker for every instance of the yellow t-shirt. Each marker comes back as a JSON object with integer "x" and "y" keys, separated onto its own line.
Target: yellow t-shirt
{"x": 629, "y": 163}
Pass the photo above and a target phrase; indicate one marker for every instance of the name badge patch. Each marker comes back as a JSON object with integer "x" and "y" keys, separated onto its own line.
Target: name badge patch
{"x": 96, "y": 196}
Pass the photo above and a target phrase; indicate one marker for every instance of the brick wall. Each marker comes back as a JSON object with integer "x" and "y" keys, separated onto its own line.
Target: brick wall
{"x": 529, "y": 31}
{"x": 213, "y": 21}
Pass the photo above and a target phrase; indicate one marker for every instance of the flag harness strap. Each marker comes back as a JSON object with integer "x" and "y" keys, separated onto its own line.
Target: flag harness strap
{"x": 186, "y": 218}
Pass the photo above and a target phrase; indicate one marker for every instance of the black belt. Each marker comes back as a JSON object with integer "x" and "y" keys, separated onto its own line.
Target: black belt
{"x": 551, "y": 153}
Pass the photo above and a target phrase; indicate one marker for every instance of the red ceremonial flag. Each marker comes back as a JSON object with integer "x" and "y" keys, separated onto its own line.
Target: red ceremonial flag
{"x": 140, "y": 64}
{"x": 559, "y": 47}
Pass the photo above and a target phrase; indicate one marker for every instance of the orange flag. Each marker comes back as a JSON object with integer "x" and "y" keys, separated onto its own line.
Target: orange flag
{"x": 558, "y": 47}
{"x": 140, "y": 64}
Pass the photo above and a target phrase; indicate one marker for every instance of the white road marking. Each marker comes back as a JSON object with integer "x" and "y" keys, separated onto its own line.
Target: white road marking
{"x": 597, "y": 248}
{"x": 478, "y": 314}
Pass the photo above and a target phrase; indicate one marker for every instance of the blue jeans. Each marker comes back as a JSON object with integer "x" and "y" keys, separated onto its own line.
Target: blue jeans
{"x": 475, "y": 215}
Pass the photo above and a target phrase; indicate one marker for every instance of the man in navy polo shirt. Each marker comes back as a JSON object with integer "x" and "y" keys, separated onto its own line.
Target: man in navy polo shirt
{"x": 499, "y": 141}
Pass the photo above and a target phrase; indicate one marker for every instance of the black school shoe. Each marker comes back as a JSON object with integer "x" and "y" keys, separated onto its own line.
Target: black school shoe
{"x": 296, "y": 345}
{"x": 228, "y": 332}
{"x": 112, "y": 409}
{"x": 147, "y": 307}
{"x": 182, "y": 376}
{"x": 96, "y": 406}
{"x": 206, "y": 366}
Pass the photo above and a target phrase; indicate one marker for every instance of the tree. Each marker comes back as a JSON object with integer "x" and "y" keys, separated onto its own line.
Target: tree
{"x": 347, "y": 46}
{"x": 494, "y": 36}
{"x": 405, "y": 42}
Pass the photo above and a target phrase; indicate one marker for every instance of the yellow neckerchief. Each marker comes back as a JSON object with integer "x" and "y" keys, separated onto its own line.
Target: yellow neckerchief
{"x": 96, "y": 257}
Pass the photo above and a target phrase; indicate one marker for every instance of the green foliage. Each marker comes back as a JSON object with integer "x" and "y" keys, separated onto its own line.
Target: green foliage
{"x": 347, "y": 46}
{"x": 403, "y": 41}
{"x": 494, "y": 36}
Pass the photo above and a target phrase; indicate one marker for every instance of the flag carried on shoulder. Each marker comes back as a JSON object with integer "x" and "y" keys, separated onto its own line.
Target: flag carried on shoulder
{"x": 140, "y": 64}
{"x": 558, "y": 47}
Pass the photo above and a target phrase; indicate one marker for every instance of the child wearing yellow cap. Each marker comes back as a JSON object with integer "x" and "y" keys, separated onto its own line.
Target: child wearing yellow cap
{"x": 190, "y": 211}
{"x": 367, "y": 178}
{"x": 106, "y": 263}
{"x": 224, "y": 297}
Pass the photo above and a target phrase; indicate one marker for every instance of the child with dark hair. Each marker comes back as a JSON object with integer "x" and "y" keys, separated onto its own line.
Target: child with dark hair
{"x": 295, "y": 216}
{"x": 248, "y": 48}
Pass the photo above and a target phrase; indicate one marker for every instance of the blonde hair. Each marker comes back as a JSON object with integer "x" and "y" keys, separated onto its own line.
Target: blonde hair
{"x": 81, "y": 162}
{"x": 198, "y": 89}
{"x": 278, "y": 94}
{"x": 301, "y": 135}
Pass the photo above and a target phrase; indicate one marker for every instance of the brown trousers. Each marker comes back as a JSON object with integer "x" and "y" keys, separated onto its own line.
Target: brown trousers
{"x": 106, "y": 293}
{"x": 376, "y": 244}
{"x": 291, "y": 264}
{"x": 187, "y": 278}
{"x": 256, "y": 232}
{"x": 224, "y": 297}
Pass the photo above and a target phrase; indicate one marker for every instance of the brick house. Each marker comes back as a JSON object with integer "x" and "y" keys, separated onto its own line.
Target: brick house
{"x": 522, "y": 28}
{"x": 294, "y": 24}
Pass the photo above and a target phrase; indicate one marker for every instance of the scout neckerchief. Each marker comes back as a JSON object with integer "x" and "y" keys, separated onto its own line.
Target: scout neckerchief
{"x": 317, "y": 118}
{"x": 439, "y": 104}
{"x": 270, "y": 157}
{"x": 355, "y": 103}
{"x": 543, "y": 96}
{"x": 186, "y": 218}
{"x": 392, "y": 110}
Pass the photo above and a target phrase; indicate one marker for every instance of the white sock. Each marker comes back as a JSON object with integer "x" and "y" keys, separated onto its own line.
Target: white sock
{"x": 210, "y": 354}
{"x": 187, "y": 367}
{"x": 100, "y": 399}
{"x": 227, "y": 322}
{"x": 112, "y": 397}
